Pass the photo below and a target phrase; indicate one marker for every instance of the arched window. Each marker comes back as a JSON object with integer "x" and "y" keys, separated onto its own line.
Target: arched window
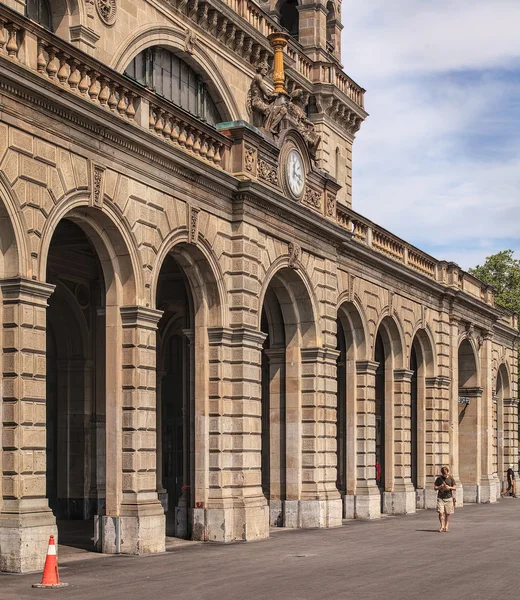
{"x": 290, "y": 17}
{"x": 39, "y": 11}
{"x": 168, "y": 75}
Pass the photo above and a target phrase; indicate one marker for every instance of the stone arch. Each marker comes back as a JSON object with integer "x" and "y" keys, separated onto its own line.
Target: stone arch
{"x": 469, "y": 406}
{"x": 14, "y": 251}
{"x": 200, "y": 61}
{"x": 114, "y": 243}
{"x": 203, "y": 272}
{"x": 352, "y": 344}
{"x": 298, "y": 303}
{"x": 468, "y": 364}
{"x": 393, "y": 339}
{"x": 388, "y": 352}
{"x": 422, "y": 366}
{"x": 502, "y": 449}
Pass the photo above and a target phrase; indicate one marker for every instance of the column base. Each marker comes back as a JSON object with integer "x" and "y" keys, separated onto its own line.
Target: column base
{"x": 420, "y": 498}
{"x": 310, "y": 514}
{"x": 143, "y": 533}
{"x": 236, "y": 523}
{"x": 276, "y": 513}
{"x": 430, "y": 499}
{"x": 349, "y": 506}
{"x": 487, "y": 490}
{"x": 24, "y": 540}
{"x": 399, "y": 502}
{"x": 368, "y": 506}
{"x": 470, "y": 494}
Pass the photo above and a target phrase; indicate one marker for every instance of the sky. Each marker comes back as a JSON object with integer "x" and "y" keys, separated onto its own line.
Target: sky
{"x": 437, "y": 162}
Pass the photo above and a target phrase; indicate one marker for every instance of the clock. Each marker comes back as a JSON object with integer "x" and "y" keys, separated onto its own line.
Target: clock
{"x": 295, "y": 173}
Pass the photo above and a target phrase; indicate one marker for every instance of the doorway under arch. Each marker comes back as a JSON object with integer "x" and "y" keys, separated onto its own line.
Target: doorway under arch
{"x": 76, "y": 407}
{"x": 469, "y": 399}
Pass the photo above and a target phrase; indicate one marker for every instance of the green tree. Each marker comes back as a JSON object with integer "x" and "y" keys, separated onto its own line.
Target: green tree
{"x": 502, "y": 271}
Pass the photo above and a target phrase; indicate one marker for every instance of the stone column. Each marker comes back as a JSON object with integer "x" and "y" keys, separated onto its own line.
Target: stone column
{"x": 437, "y": 433}
{"x": 368, "y": 497}
{"x": 454, "y": 408}
{"x": 161, "y": 492}
{"x": 320, "y": 504}
{"x": 403, "y": 494}
{"x": 276, "y": 418}
{"x": 26, "y": 521}
{"x": 511, "y": 435}
{"x": 139, "y": 526}
{"x": 229, "y": 503}
{"x": 487, "y": 483}
{"x": 470, "y": 447}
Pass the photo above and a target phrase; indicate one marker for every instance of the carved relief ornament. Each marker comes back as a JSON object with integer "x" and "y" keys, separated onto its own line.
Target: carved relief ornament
{"x": 107, "y": 11}
{"x": 294, "y": 255}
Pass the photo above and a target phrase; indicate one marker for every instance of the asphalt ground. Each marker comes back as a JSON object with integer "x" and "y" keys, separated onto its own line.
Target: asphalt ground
{"x": 401, "y": 557}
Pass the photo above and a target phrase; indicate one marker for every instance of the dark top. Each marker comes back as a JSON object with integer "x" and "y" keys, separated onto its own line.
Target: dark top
{"x": 444, "y": 494}
{"x": 510, "y": 475}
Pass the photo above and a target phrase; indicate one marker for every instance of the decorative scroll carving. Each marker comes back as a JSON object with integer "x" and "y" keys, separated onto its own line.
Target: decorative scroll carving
{"x": 265, "y": 108}
{"x": 294, "y": 255}
{"x": 312, "y": 198}
{"x": 189, "y": 41}
{"x": 97, "y": 185}
{"x": 267, "y": 172}
{"x": 250, "y": 160}
{"x": 193, "y": 225}
{"x": 331, "y": 205}
{"x": 107, "y": 10}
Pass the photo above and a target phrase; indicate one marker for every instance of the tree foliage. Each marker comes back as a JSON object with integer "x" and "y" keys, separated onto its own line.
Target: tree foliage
{"x": 502, "y": 271}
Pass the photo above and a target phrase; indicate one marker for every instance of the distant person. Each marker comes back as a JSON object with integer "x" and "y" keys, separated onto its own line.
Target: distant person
{"x": 511, "y": 483}
{"x": 445, "y": 486}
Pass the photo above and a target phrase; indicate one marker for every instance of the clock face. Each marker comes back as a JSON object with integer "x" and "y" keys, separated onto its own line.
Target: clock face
{"x": 295, "y": 173}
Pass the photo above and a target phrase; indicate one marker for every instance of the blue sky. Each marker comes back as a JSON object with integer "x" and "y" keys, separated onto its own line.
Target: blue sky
{"x": 438, "y": 160}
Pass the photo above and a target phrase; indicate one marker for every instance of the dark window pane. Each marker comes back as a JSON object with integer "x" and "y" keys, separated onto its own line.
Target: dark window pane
{"x": 160, "y": 69}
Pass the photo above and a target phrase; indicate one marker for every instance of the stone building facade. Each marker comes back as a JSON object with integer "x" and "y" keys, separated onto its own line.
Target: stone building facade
{"x": 199, "y": 337}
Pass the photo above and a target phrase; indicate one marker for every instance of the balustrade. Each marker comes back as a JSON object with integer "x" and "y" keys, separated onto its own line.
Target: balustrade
{"x": 78, "y": 73}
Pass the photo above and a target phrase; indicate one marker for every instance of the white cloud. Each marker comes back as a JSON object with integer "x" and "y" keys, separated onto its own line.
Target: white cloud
{"x": 438, "y": 160}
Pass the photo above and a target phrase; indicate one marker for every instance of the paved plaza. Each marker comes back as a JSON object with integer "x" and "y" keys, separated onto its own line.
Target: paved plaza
{"x": 403, "y": 557}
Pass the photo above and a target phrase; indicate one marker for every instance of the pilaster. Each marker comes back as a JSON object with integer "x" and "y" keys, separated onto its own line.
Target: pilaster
{"x": 367, "y": 499}
{"x": 402, "y": 498}
{"x": 235, "y": 507}
{"x": 437, "y": 433}
{"x": 139, "y": 525}
{"x": 26, "y": 520}
{"x": 487, "y": 483}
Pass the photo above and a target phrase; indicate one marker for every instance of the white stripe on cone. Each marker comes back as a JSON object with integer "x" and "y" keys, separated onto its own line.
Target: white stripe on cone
{"x": 51, "y": 551}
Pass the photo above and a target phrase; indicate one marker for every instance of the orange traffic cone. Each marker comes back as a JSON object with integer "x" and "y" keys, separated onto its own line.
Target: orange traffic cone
{"x": 51, "y": 577}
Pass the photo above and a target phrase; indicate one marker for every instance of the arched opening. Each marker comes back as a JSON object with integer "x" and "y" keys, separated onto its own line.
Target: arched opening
{"x": 422, "y": 462}
{"x": 187, "y": 295}
{"x": 288, "y": 324}
{"x": 391, "y": 388}
{"x": 290, "y": 18}
{"x": 468, "y": 403}
{"x": 174, "y": 397}
{"x": 76, "y": 400}
{"x": 502, "y": 452}
{"x": 380, "y": 357}
{"x": 414, "y": 398}
{"x": 40, "y": 11}
{"x": 351, "y": 346}
{"x": 166, "y": 73}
